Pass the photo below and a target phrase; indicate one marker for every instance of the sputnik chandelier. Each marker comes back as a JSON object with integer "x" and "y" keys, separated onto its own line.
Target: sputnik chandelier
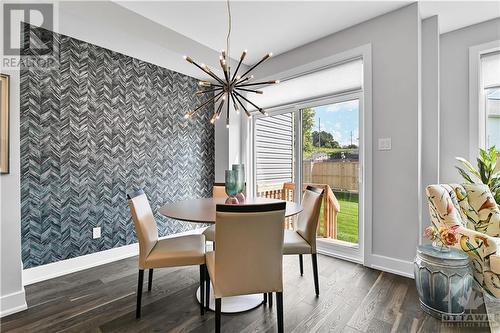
{"x": 230, "y": 88}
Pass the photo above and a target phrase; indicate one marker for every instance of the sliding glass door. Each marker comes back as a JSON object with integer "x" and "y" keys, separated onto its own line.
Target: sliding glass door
{"x": 330, "y": 159}
{"x": 316, "y": 143}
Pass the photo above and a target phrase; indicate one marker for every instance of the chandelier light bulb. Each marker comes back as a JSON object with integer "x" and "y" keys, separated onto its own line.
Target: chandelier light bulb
{"x": 236, "y": 87}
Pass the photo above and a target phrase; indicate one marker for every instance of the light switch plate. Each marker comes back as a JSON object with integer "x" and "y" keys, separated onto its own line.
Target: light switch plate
{"x": 384, "y": 144}
{"x": 96, "y": 232}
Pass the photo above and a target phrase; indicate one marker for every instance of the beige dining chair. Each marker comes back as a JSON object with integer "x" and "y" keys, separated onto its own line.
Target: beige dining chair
{"x": 302, "y": 240}
{"x": 218, "y": 192}
{"x": 156, "y": 253}
{"x": 249, "y": 257}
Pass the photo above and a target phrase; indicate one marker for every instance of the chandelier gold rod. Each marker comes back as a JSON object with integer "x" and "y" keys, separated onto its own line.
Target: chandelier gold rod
{"x": 227, "y": 112}
{"x": 241, "y": 80}
{"x": 256, "y": 83}
{"x": 209, "y": 72}
{"x": 212, "y": 74}
{"x": 250, "y": 90}
{"x": 239, "y": 64}
{"x": 236, "y": 108}
{"x": 219, "y": 110}
{"x": 215, "y": 99}
{"x": 249, "y": 101}
{"x": 216, "y": 113}
{"x": 243, "y": 106}
{"x": 224, "y": 69}
{"x": 267, "y": 56}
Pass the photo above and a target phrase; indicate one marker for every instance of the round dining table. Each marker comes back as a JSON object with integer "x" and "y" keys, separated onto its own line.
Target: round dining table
{"x": 203, "y": 211}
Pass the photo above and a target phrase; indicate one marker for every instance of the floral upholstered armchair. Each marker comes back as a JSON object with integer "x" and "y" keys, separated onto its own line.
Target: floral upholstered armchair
{"x": 472, "y": 208}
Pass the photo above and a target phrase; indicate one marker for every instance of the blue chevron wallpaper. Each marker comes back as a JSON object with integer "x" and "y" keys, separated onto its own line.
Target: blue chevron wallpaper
{"x": 99, "y": 125}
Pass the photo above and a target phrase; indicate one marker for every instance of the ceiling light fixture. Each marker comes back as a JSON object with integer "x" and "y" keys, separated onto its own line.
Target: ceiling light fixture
{"x": 230, "y": 88}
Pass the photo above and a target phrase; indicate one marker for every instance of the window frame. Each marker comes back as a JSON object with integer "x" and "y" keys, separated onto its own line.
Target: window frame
{"x": 477, "y": 97}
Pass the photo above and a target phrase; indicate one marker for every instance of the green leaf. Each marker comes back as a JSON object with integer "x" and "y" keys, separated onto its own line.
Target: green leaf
{"x": 482, "y": 171}
{"x": 469, "y": 166}
{"x": 465, "y": 175}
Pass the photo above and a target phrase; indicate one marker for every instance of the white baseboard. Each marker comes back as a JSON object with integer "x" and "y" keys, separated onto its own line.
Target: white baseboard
{"x": 12, "y": 303}
{"x": 63, "y": 267}
{"x": 391, "y": 265}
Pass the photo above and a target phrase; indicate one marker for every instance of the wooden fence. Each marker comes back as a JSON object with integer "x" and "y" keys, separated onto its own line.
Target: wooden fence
{"x": 328, "y": 224}
{"x": 340, "y": 175}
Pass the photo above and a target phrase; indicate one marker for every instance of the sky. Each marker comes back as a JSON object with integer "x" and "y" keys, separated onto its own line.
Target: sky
{"x": 339, "y": 119}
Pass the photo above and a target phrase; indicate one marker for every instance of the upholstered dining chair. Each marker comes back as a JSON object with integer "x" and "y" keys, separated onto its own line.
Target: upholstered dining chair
{"x": 249, "y": 257}
{"x": 218, "y": 192}
{"x": 156, "y": 253}
{"x": 302, "y": 240}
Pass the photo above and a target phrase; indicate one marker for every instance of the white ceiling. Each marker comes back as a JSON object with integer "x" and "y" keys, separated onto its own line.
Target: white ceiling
{"x": 279, "y": 26}
{"x": 259, "y": 26}
{"x": 458, "y": 14}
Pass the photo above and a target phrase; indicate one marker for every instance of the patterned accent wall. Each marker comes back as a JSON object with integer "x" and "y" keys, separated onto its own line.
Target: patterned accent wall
{"x": 99, "y": 125}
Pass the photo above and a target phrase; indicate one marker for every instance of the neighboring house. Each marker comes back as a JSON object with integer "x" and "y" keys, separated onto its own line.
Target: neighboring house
{"x": 321, "y": 156}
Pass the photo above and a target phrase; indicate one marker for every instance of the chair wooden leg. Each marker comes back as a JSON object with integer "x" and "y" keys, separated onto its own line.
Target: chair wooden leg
{"x": 202, "y": 289}
{"x": 279, "y": 302}
{"x": 150, "y": 279}
{"x": 270, "y": 299}
{"x": 218, "y": 307}
{"x": 139, "y": 293}
{"x": 207, "y": 290}
{"x": 301, "y": 264}
{"x": 265, "y": 299}
{"x": 315, "y": 272}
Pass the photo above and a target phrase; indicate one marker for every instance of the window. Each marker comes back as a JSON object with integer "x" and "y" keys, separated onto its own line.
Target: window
{"x": 490, "y": 85}
{"x": 484, "y": 97}
{"x": 274, "y": 153}
{"x": 313, "y": 136}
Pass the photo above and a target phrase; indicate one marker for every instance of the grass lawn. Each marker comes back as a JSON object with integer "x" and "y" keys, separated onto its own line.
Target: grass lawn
{"x": 347, "y": 218}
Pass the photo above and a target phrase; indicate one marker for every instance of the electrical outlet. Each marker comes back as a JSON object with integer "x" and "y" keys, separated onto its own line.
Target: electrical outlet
{"x": 384, "y": 144}
{"x": 96, "y": 232}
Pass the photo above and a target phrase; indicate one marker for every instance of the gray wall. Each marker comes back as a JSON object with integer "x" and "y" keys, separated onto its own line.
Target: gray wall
{"x": 395, "y": 53}
{"x": 100, "y": 125}
{"x": 116, "y": 29}
{"x": 454, "y": 71}
{"x": 430, "y": 110}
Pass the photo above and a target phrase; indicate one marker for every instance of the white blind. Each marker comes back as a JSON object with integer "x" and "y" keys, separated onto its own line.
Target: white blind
{"x": 274, "y": 149}
{"x": 346, "y": 76}
{"x": 490, "y": 69}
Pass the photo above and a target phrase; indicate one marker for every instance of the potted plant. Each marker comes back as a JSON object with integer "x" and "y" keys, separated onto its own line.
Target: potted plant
{"x": 485, "y": 172}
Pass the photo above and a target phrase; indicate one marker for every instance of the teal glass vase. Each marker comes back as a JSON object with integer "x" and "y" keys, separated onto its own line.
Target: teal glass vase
{"x": 240, "y": 179}
{"x": 231, "y": 187}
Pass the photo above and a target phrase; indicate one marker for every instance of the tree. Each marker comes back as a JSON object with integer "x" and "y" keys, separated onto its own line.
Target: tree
{"x": 327, "y": 140}
{"x": 307, "y": 125}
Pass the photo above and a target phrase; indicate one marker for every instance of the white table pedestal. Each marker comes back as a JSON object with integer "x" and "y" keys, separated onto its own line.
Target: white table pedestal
{"x": 234, "y": 304}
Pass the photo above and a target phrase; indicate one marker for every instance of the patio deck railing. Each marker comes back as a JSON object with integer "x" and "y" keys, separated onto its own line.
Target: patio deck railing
{"x": 327, "y": 226}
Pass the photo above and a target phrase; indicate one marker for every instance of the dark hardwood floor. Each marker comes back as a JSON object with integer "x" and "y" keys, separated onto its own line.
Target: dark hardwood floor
{"x": 353, "y": 299}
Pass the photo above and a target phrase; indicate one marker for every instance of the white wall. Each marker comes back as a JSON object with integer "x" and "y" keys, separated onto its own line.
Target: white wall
{"x": 11, "y": 288}
{"x": 430, "y": 110}
{"x": 454, "y": 83}
{"x": 107, "y": 25}
{"x": 395, "y": 56}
